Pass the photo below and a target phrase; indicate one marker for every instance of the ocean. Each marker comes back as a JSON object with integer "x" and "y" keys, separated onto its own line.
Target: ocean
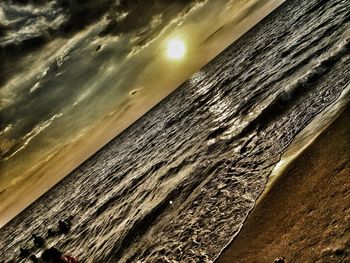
{"x": 177, "y": 185}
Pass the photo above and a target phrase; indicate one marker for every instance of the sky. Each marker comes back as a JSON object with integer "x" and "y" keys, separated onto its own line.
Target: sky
{"x": 75, "y": 73}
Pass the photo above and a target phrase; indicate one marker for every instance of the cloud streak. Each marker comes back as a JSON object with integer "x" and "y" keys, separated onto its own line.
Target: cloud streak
{"x": 19, "y": 146}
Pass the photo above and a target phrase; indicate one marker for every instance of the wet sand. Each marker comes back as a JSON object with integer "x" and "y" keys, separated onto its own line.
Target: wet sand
{"x": 305, "y": 214}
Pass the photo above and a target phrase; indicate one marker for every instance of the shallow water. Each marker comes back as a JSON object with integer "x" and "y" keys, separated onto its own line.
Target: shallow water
{"x": 177, "y": 185}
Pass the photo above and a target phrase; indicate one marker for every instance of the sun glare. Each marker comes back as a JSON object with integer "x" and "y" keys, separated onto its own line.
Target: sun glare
{"x": 176, "y": 49}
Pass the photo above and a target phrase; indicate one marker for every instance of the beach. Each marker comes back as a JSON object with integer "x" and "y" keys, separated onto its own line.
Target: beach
{"x": 304, "y": 216}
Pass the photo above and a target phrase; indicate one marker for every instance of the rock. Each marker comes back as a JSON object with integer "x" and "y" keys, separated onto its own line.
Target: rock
{"x": 24, "y": 252}
{"x": 38, "y": 240}
{"x": 50, "y": 232}
{"x": 63, "y": 226}
{"x": 33, "y": 258}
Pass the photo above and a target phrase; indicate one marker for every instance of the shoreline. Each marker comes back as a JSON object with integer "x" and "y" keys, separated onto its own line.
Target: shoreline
{"x": 303, "y": 215}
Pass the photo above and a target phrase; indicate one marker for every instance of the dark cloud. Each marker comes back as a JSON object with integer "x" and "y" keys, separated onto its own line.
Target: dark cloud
{"x": 3, "y": 30}
{"x": 27, "y": 2}
{"x": 12, "y": 53}
{"x": 82, "y": 13}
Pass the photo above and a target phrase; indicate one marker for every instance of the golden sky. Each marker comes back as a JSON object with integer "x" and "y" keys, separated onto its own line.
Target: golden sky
{"x": 71, "y": 81}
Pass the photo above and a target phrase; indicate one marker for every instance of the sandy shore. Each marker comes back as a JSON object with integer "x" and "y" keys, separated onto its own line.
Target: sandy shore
{"x": 305, "y": 214}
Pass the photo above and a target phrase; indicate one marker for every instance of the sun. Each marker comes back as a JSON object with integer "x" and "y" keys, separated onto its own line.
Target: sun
{"x": 176, "y": 49}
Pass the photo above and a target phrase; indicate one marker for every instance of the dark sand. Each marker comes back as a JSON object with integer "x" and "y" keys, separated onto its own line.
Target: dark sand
{"x": 305, "y": 215}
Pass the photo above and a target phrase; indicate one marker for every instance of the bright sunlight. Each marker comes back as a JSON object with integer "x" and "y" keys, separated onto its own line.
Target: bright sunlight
{"x": 176, "y": 49}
